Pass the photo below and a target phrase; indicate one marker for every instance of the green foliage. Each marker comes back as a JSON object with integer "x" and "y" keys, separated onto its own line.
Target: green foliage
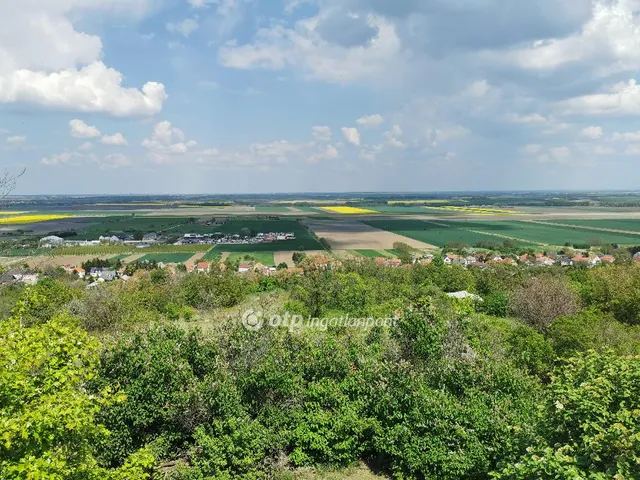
{"x": 39, "y": 303}
{"x": 590, "y": 423}
{"x": 615, "y": 290}
{"x": 48, "y": 419}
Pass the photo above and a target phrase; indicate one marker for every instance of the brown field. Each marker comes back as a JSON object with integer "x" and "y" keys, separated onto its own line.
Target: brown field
{"x": 53, "y": 225}
{"x": 45, "y": 261}
{"x": 196, "y": 258}
{"x": 346, "y": 235}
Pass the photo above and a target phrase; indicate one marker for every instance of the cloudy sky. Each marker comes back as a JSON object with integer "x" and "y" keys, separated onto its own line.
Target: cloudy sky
{"x": 235, "y": 96}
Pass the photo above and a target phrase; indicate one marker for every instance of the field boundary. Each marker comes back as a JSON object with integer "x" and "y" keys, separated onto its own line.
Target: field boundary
{"x": 582, "y": 227}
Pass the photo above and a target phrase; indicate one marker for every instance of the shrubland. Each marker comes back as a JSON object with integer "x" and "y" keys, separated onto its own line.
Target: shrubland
{"x": 157, "y": 377}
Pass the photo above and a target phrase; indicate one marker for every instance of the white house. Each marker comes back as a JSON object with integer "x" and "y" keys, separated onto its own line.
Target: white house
{"x": 465, "y": 294}
{"x": 51, "y": 241}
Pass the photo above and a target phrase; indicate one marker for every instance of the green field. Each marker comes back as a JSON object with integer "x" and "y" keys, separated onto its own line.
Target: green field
{"x": 166, "y": 257}
{"x": 372, "y": 253}
{"x": 265, "y": 258}
{"x": 93, "y": 228}
{"x": 304, "y": 240}
{"x": 629, "y": 225}
{"x": 409, "y": 210}
{"x": 212, "y": 255}
{"x": 431, "y": 233}
{"x": 547, "y": 234}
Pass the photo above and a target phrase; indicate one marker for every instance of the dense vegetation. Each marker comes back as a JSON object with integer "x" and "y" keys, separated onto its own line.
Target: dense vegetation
{"x": 157, "y": 378}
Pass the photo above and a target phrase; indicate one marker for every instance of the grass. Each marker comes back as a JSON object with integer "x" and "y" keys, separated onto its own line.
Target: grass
{"x": 265, "y": 258}
{"x": 434, "y": 233}
{"x": 372, "y": 253}
{"x": 166, "y": 257}
{"x": 629, "y": 225}
{"x": 547, "y": 234}
{"x": 212, "y": 255}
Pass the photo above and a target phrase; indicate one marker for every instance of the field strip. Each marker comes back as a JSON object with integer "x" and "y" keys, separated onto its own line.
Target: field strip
{"x": 196, "y": 258}
{"x": 284, "y": 257}
{"x": 133, "y": 258}
{"x": 582, "y": 227}
{"x": 224, "y": 256}
{"x": 506, "y": 237}
{"x": 437, "y": 223}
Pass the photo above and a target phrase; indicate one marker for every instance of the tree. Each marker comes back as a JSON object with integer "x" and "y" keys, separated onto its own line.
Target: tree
{"x": 404, "y": 252}
{"x": 543, "y": 299}
{"x": 48, "y": 418}
{"x": 8, "y": 182}
{"x": 282, "y": 266}
{"x": 589, "y": 426}
{"x": 298, "y": 257}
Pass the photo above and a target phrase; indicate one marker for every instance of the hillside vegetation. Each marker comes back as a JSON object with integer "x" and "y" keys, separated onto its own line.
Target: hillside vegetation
{"x": 158, "y": 378}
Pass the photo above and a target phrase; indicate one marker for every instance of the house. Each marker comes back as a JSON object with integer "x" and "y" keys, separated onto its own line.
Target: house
{"x": 150, "y": 237}
{"x": 79, "y": 271}
{"x": 381, "y": 261}
{"x": 460, "y": 261}
{"x": 449, "y": 258}
{"x": 107, "y": 275}
{"x": 464, "y": 294}
{"x": 495, "y": 258}
{"x": 509, "y": 261}
{"x": 608, "y": 259}
{"x": 394, "y": 262}
{"x": 524, "y": 258}
{"x": 202, "y": 267}
{"x": 579, "y": 259}
{"x": 636, "y": 257}
{"x": 595, "y": 261}
{"x": 565, "y": 262}
{"x": 544, "y": 261}
{"x": 244, "y": 268}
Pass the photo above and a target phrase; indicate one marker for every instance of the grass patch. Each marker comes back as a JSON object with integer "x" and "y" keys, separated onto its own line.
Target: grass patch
{"x": 265, "y": 258}
{"x": 629, "y": 225}
{"x": 212, "y": 255}
{"x": 372, "y": 253}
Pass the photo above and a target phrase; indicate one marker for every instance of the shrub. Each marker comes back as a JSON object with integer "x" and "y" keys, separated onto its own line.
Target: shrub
{"x": 542, "y": 300}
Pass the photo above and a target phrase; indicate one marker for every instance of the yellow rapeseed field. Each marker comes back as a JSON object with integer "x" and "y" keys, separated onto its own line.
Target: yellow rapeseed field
{"x": 349, "y": 210}
{"x": 23, "y": 219}
{"x": 420, "y": 202}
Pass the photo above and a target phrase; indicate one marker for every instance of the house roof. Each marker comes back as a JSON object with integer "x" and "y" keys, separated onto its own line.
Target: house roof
{"x": 203, "y": 265}
{"x": 245, "y": 266}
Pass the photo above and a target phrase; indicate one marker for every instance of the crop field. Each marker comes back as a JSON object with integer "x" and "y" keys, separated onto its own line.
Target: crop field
{"x": 348, "y": 210}
{"x": 476, "y": 210}
{"x": 410, "y": 210}
{"x": 212, "y": 255}
{"x": 27, "y": 219}
{"x": 546, "y": 234}
{"x": 265, "y": 258}
{"x": 628, "y": 225}
{"x": 438, "y": 234}
{"x": 166, "y": 257}
{"x": 304, "y": 240}
{"x": 129, "y": 224}
{"x": 372, "y": 253}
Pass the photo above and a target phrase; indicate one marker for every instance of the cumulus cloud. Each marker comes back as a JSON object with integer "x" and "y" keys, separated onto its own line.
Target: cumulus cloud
{"x": 440, "y": 135}
{"x": 370, "y": 120}
{"x": 623, "y": 98}
{"x": 85, "y": 147}
{"x": 115, "y": 139}
{"x": 352, "y": 135}
{"x": 185, "y": 28}
{"x": 166, "y": 142}
{"x": 303, "y": 46}
{"x": 322, "y": 133}
{"x": 626, "y": 137}
{"x": 393, "y": 137}
{"x": 115, "y": 160}
{"x": 80, "y": 129}
{"x": 45, "y": 62}
{"x": 592, "y": 133}
{"x": 63, "y": 158}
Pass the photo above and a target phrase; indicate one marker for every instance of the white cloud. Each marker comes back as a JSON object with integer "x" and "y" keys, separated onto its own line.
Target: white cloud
{"x": 326, "y": 153}
{"x": 392, "y": 137}
{"x": 63, "y": 158}
{"x": 80, "y": 129}
{"x": 560, "y": 155}
{"x": 610, "y": 40}
{"x": 322, "y": 133}
{"x": 167, "y": 142}
{"x": 352, "y": 135}
{"x": 592, "y": 133}
{"x": 94, "y": 88}
{"x": 370, "y": 120}
{"x": 623, "y": 99}
{"x": 304, "y": 47}
{"x": 371, "y": 153}
{"x": 626, "y": 137}
{"x": 85, "y": 147}
{"x": 115, "y": 139}
{"x": 44, "y": 61}
{"x": 16, "y": 140}
{"x": 440, "y": 135}
{"x": 534, "y": 118}
{"x": 478, "y": 88}
{"x": 185, "y": 28}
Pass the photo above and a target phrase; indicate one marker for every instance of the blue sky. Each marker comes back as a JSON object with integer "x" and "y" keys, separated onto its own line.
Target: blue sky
{"x": 235, "y": 96}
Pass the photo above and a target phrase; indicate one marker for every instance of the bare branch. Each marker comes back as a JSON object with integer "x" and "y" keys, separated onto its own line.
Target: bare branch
{"x": 8, "y": 182}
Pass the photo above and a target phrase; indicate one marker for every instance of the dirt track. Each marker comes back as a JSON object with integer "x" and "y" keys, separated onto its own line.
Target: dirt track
{"x": 353, "y": 235}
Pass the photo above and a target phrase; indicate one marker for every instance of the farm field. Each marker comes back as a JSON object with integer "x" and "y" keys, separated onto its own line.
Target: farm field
{"x": 547, "y": 234}
{"x": 372, "y": 253}
{"x": 166, "y": 257}
{"x": 354, "y": 235}
{"x": 344, "y": 210}
{"x": 304, "y": 240}
{"x": 212, "y": 255}
{"x": 433, "y": 233}
{"x": 265, "y": 258}
{"x": 629, "y": 225}
{"x": 128, "y": 224}
{"x": 409, "y": 210}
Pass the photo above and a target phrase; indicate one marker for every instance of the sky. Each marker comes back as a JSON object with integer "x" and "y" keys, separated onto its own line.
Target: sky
{"x": 265, "y": 96}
